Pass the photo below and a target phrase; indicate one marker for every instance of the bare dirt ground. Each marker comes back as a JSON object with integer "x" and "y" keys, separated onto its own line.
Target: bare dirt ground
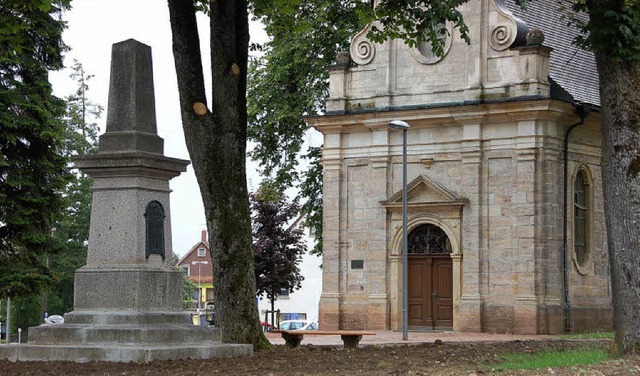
{"x": 433, "y": 358}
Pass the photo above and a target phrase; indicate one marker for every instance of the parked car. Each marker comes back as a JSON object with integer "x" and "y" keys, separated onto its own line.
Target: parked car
{"x": 298, "y": 325}
{"x": 266, "y": 327}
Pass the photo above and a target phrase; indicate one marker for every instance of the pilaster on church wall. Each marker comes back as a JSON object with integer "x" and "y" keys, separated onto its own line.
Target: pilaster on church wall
{"x": 527, "y": 181}
{"x": 548, "y": 278}
{"x": 328, "y": 308}
{"x": 364, "y": 299}
{"x": 355, "y": 265}
{"x": 331, "y": 162}
{"x": 469, "y": 309}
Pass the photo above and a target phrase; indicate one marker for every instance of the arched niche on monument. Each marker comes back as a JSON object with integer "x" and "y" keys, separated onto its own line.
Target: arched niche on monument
{"x": 154, "y": 229}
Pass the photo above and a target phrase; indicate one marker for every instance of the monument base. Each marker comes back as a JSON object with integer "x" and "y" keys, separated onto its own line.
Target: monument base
{"x": 122, "y": 343}
{"x": 112, "y": 322}
{"x": 141, "y": 288}
{"x": 120, "y": 353}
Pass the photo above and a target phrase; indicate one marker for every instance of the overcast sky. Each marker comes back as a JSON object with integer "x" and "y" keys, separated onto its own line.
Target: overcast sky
{"x": 93, "y": 27}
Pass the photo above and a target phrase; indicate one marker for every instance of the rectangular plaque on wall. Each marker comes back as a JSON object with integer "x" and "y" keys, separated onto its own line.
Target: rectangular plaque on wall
{"x": 357, "y": 264}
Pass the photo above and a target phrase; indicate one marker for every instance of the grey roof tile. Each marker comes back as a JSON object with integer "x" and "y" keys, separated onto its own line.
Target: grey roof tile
{"x": 571, "y": 67}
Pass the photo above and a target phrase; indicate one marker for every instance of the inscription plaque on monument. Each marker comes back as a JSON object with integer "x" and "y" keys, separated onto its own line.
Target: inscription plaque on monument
{"x": 154, "y": 221}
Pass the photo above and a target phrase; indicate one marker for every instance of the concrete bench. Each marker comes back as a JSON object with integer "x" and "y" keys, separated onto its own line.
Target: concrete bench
{"x": 350, "y": 338}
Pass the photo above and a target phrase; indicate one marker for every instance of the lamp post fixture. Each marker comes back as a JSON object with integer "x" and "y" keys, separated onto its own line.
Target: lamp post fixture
{"x": 199, "y": 285}
{"x": 399, "y": 124}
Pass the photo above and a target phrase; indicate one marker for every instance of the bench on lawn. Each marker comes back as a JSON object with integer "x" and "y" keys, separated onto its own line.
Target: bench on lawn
{"x": 350, "y": 338}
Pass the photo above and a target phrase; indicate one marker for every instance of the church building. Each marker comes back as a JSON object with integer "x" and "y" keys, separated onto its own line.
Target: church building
{"x": 506, "y": 227}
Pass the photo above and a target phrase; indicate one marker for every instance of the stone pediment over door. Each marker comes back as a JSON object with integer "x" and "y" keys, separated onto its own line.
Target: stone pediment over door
{"x": 423, "y": 192}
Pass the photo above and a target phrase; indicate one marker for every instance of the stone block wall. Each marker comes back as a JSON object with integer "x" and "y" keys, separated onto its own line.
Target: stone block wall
{"x": 508, "y": 233}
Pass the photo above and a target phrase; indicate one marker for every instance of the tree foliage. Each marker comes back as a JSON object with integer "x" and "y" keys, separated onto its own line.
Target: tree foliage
{"x": 311, "y": 192}
{"x": 416, "y": 21}
{"x": 278, "y": 246}
{"x": 290, "y": 81}
{"x": 216, "y": 138}
{"x": 188, "y": 289}
{"x": 32, "y": 165}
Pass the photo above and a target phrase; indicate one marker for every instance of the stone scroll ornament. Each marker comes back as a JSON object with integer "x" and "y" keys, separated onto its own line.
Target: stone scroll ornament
{"x": 501, "y": 37}
{"x": 362, "y": 49}
{"x": 509, "y": 31}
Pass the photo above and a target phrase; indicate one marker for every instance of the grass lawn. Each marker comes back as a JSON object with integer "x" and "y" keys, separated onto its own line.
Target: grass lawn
{"x": 550, "y": 359}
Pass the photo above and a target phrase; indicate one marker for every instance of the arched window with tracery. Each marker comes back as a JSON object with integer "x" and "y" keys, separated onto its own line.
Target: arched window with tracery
{"x": 428, "y": 238}
{"x": 581, "y": 214}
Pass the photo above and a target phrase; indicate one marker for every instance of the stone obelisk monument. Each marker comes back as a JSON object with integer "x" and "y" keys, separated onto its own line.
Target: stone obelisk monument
{"x": 128, "y": 297}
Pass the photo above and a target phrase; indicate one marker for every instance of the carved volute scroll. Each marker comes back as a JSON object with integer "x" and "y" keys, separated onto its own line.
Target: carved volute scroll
{"x": 362, "y": 49}
{"x": 154, "y": 221}
{"x": 508, "y": 31}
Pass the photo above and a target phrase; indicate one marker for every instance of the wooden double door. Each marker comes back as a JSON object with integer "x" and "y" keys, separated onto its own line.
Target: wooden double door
{"x": 430, "y": 291}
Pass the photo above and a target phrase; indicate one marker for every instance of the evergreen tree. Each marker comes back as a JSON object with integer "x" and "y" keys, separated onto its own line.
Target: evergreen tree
{"x": 32, "y": 165}
{"x": 72, "y": 230}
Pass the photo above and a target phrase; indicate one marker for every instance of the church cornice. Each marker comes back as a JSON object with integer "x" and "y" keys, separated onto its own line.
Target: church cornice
{"x": 446, "y": 114}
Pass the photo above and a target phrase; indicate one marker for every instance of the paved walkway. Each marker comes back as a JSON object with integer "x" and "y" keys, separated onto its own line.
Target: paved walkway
{"x": 395, "y": 337}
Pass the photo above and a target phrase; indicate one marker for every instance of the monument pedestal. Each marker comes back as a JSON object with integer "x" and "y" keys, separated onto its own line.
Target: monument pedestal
{"x": 121, "y": 343}
{"x": 127, "y": 288}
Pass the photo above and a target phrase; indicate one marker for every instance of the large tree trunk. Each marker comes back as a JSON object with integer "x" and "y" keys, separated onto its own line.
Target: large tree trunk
{"x": 216, "y": 140}
{"x": 619, "y": 83}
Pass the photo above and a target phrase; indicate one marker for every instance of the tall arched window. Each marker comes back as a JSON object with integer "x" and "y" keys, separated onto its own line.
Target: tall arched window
{"x": 581, "y": 217}
{"x": 428, "y": 238}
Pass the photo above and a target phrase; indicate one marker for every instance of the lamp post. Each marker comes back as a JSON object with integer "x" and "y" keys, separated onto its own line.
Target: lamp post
{"x": 399, "y": 124}
{"x": 199, "y": 285}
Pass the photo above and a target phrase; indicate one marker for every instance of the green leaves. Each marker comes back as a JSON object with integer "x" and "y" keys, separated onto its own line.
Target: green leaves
{"x": 417, "y": 21}
{"x": 311, "y": 189}
{"x": 290, "y": 81}
{"x": 277, "y": 246}
{"x": 611, "y": 27}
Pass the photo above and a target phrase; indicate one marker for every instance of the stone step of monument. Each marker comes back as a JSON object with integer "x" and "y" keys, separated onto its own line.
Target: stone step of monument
{"x": 122, "y": 334}
{"x": 106, "y": 317}
{"x": 121, "y": 353}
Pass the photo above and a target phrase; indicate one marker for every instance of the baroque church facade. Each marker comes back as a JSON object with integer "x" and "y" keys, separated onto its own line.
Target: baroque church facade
{"x": 506, "y": 228}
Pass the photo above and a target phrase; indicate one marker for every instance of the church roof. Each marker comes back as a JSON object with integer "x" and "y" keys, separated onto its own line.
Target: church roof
{"x": 570, "y": 67}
